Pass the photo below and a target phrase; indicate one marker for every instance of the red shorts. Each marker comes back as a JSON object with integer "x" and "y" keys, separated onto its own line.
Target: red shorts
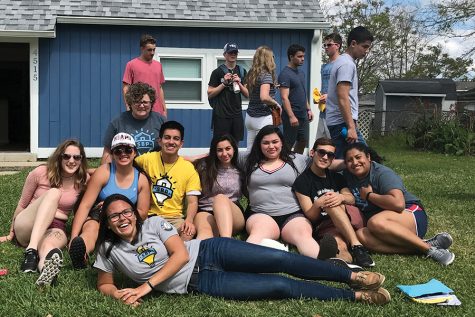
{"x": 59, "y": 224}
{"x": 327, "y": 226}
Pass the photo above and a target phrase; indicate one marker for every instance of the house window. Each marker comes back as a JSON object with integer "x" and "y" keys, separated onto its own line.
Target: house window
{"x": 187, "y": 72}
{"x": 183, "y": 79}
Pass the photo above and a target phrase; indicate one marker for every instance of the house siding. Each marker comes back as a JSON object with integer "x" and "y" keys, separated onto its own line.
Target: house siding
{"x": 81, "y": 75}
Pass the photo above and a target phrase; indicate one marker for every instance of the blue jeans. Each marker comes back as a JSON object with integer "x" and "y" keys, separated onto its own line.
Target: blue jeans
{"x": 231, "y": 269}
{"x": 339, "y": 141}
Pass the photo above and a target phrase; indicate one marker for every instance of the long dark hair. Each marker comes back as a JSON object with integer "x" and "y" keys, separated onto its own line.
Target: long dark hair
{"x": 256, "y": 156}
{"x": 366, "y": 150}
{"x": 105, "y": 233}
{"x": 207, "y": 167}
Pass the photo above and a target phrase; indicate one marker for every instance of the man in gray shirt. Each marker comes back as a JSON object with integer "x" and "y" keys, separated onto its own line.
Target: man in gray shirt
{"x": 342, "y": 98}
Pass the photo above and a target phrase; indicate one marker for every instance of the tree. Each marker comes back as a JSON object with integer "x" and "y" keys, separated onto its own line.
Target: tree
{"x": 452, "y": 14}
{"x": 401, "y": 47}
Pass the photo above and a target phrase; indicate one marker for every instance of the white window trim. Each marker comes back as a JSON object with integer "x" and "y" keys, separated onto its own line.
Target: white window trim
{"x": 209, "y": 58}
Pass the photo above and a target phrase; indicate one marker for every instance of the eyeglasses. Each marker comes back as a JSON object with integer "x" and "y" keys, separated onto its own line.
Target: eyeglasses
{"x": 143, "y": 102}
{"x": 67, "y": 157}
{"x": 122, "y": 149}
{"x": 127, "y": 213}
{"x": 328, "y": 45}
{"x": 322, "y": 153}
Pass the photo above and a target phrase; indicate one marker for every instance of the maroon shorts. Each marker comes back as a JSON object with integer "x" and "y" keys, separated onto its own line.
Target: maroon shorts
{"x": 59, "y": 224}
{"x": 327, "y": 226}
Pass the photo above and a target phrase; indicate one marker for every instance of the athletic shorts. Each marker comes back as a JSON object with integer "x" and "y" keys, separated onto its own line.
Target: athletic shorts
{"x": 58, "y": 224}
{"x": 420, "y": 218}
{"x": 327, "y": 226}
{"x": 235, "y": 202}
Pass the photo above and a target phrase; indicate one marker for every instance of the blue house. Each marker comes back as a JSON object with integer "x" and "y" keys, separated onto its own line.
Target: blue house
{"x": 61, "y": 62}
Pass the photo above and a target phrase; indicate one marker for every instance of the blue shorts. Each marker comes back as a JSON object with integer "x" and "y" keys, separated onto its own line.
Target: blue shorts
{"x": 420, "y": 218}
{"x": 340, "y": 141}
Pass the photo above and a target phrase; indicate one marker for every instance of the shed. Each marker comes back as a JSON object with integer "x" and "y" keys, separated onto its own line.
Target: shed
{"x": 62, "y": 61}
{"x": 399, "y": 102}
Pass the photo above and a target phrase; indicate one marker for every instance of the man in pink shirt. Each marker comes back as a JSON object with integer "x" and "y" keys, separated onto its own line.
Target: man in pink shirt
{"x": 147, "y": 70}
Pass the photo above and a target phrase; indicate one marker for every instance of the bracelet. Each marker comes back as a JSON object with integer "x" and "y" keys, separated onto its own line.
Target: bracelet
{"x": 367, "y": 196}
{"x": 150, "y": 284}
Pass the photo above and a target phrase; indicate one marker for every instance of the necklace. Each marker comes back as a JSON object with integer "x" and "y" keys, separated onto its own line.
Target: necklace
{"x": 163, "y": 164}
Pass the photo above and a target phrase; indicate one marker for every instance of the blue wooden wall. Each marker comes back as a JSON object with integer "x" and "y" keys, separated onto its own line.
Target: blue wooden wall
{"x": 81, "y": 75}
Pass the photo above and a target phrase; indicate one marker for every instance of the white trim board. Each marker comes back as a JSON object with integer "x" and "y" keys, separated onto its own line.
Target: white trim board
{"x": 193, "y": 23}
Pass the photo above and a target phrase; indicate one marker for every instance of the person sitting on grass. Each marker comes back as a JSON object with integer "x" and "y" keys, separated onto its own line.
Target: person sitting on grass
{"x": 48, "y": 196}
{"x": 219, "y": 210}
{"x": 172, "y": 180}
{"x": 326, "y": 199}
{"x": 151, "y": 253}
{"x": 274, "y": 211}
{"x": 119, "y": 176}
{"x": 396, "y": 219}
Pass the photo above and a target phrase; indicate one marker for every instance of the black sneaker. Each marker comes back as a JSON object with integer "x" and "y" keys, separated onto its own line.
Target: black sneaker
{"x": 328, "y": 247}
{"x": 30, "y": 262}
{"x": 77, "y": 252}
{"x": 361, "y": 256}
{"x": 53, "y": 263}
{"x": 344, "y": 264}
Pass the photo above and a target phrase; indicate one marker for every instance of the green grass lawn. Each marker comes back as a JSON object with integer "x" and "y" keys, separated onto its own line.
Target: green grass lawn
{"x": 445, "y": 184}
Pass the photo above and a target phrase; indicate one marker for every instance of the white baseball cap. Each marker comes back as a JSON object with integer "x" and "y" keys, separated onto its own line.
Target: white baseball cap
{"x": 122, "y": 139}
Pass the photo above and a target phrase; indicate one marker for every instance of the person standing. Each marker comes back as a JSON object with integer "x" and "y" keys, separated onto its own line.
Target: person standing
{"x": 332, "y": 44}
{"x": 297, "y": 113}
{"x": 225, "y": 88}
{"x": 342, "y": 98}
{"x": 147, "y": 70}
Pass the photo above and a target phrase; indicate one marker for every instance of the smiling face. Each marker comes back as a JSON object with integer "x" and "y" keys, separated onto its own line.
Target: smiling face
{"x": 357, "y": 162}
{"x": 124, "y": 155}
{"x": 224, "y": 152}
{"x": 323, "y": 156}
{"x": 122, "y": 220}
{"x": 171, "y": 142}
{"x": 71, "y": 161}
{"x": 271, "y": 146}
{"x": 141, "y": 108}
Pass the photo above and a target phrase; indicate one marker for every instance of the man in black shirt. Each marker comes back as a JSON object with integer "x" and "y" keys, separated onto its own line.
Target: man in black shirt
{"x": 224, "y": 94}
{"x": 325, "y": 199}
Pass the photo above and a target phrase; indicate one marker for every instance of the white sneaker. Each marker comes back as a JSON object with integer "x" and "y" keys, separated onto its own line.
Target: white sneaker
{"x": 53, "y": 263}
{"x": 274, "y": 244}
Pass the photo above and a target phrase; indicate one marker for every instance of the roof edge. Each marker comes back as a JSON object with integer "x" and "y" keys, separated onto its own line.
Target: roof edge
{"x": 27, "y": 33}
{"x": 192, "y": 23}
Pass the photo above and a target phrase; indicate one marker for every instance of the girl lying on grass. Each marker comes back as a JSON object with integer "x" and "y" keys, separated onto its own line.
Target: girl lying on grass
{"x": 151, "y": 253}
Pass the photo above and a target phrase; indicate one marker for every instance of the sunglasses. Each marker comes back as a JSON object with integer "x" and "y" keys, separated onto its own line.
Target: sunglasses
{"x": 67, "y": 157}
{"x": 328, "y": 45}
{"x": 127, "y": 213}
{"x": 322, "y": 153}
{"x": 123, "y": 149}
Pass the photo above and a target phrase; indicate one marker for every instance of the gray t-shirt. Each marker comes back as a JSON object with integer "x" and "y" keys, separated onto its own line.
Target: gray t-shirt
{"x": 147, "y": 256}
{"x": 256, "y": 107}
{"x": 382, "y": 179}
{"x": 294, "y": 79}
{"x": 343, "y": 70}
{"x": 145, "y": 132}
{"x": 271, "y": 192}
{"x": 228, "y": 183}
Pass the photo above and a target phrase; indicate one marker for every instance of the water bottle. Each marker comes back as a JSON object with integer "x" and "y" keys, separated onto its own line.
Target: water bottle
{"x": 344, "y": 132}
{"x": 236, "y": 88}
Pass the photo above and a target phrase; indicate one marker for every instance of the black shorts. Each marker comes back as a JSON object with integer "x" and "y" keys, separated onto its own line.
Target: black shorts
{"x": 232, "y": 126}
{"x": 280, "y": 220}
{"x": 95, "y": 212}
{"x": 235, "y": 202}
